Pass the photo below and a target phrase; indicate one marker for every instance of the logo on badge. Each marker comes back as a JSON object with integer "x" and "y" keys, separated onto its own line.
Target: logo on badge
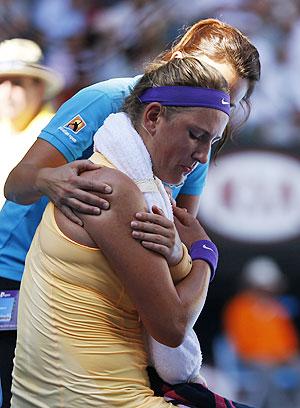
{"x": 76, "y": 124}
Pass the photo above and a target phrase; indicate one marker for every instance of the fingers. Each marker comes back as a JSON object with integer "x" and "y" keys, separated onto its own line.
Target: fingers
{"x": 154, "y": 219}
{"x": 92, "y": 184}
{"x": 158, "y": 234}
{"x": 70, "y": 215}
{"x": 86, "y": 199}
{"x": 76, "y": 205}
{"x": 153, "y": 228}
{"x": 67, "y": 189}
{"x": 172, "y": 256}
{"x": 77, "y": 197}
{"x": 155, "y": 237}
{"x": 84, "y": 165}
{"x": 158, "y": 248}
{"x": 181, "y": 215}
{"x": 157, "y": 210}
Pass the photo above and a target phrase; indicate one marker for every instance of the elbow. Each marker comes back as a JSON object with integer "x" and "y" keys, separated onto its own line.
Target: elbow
{"x": 172, "y": 334}
{"x": 176, "y": 340}
{"x": 6, "y": 189}
{"x": 9, "y": 195}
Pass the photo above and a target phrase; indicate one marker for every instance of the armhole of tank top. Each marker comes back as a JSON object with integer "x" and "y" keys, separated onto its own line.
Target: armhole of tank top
{"x": 59, "y": 231}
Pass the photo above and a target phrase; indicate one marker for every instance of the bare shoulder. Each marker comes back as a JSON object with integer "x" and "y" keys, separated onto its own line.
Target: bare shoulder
{"x": 125, "y": 194}
{"x": 111, "y": 228}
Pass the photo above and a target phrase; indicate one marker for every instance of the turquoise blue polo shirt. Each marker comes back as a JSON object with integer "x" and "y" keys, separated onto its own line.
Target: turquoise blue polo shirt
{"x": 71, "y": 132}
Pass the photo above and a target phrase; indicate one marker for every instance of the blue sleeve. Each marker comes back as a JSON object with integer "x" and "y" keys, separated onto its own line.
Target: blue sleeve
{"x": 87, "y": 107}
{"x": 72, "y": 129}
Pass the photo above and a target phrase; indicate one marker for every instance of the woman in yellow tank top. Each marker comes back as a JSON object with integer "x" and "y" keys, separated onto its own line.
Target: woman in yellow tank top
{"x": 88, "y": 292}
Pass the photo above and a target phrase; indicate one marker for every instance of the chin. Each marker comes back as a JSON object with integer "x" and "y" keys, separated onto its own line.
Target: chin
{"x": 170, "y": 177}
{"x": 173, "y": 180}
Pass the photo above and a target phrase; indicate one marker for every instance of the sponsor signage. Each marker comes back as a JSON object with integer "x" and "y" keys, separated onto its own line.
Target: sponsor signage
{"x": 253, "y": 196}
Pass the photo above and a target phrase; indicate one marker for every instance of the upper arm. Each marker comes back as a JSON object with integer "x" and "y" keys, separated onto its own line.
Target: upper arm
{"x": 89, "y": 107}
{"x": 190, "y": 202}
{"x": 144, "y": 274}
{"x": 43, "y": 154}
{"x": 72, "y": 128}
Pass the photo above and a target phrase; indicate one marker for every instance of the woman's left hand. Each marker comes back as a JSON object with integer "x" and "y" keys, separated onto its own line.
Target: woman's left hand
{"x": 157, "y": 233}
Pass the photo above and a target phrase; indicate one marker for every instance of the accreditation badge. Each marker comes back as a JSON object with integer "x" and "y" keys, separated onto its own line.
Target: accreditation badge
{"x": 9, "y": 300}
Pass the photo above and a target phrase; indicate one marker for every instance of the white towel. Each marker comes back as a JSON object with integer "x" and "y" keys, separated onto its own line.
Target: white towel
{"x": 119, "y": 142}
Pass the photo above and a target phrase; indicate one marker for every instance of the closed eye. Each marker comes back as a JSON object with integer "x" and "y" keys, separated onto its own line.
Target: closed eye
{"x": 198, "y": 136}
{"x": 204, "y": 137}
{"x": 192, "y": 135}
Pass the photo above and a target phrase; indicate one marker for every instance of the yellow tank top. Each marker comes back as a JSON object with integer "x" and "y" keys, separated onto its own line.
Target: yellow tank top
{"x": 80, "y": 341}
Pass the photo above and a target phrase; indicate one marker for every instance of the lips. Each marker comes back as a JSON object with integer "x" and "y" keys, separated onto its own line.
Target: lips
{"x": 188, "y": 169}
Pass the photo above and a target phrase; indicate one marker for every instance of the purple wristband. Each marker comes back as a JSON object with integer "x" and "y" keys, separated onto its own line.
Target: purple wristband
{"x": 207, "y": 251}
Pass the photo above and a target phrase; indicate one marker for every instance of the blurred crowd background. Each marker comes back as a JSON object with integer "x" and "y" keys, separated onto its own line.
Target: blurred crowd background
{"x": 249, "y": 329}
{"x": 93, "y": 40}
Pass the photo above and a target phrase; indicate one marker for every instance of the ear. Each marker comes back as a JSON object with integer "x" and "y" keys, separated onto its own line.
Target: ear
{"x": 151, "y": 116}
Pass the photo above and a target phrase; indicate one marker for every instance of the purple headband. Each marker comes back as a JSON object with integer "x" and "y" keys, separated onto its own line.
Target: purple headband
{"x": 187, "y": 96}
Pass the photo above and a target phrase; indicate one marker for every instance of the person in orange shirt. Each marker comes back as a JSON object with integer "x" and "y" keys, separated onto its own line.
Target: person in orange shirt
{"x": 260, "y": 330}
{"x": 256, "y": 322}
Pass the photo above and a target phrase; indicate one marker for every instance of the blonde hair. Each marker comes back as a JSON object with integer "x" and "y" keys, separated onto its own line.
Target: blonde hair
{"x": 221, "y": 43}
{"x": 187, "y": 71}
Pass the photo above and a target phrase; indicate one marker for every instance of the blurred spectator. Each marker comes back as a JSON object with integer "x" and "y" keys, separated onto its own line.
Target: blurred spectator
{"x": 261, "y": 335}
{"x": 68, "y": 17}
{"x": 134, "y": 32}
{"x": 14, "y": 18}
{"x": 65, "y": 45}
{"x": 93, "y": 41}
{"x": 25, "y": 86}
{"x": 256, "y": 311}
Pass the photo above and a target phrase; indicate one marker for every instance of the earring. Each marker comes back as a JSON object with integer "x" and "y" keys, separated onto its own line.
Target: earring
{"x": 143, "y": 126}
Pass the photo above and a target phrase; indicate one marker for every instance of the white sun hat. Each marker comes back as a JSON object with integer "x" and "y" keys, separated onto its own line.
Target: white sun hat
{"x": 22, "y": 57}
{"x": 264, "y": 272}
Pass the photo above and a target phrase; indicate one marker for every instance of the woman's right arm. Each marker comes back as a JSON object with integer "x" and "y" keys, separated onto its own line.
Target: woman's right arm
{"x": 48, "y": 168}
{"x": 45, "y": 171}
{"x": 166, "y": 311}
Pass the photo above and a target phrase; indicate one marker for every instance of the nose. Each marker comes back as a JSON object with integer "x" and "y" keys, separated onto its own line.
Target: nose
{"x": 201, "y": 155}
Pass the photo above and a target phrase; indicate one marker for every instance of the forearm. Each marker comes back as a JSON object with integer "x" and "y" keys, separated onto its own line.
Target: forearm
{"x": 183, "y": 268}
{"x": 21, "y": 185}
{"x": 192, "y": 290}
